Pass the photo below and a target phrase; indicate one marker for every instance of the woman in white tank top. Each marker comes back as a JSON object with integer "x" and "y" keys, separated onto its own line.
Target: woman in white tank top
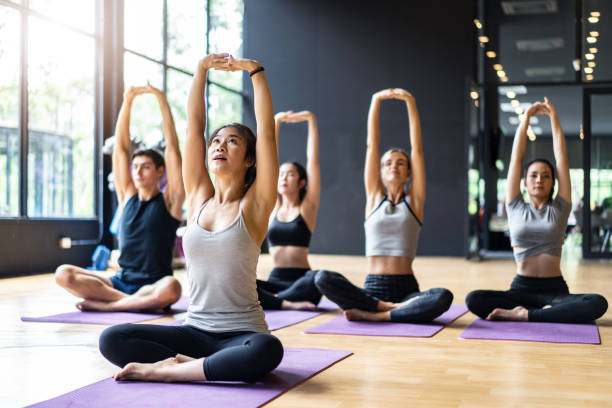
{"x": 392, "y": 226}
{"x": 225, "y": 336}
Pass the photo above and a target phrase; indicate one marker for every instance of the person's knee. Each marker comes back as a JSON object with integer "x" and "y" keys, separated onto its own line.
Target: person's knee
{"x": 268, "y": 352}
{"x": 599, "y": 305}
{"x": 445, "y": 297}
{"x": 323, "y": 279}
{"x": 168, "y": 292}
{"x": 473, "y": 299}
{"x": 111, "y": 341}
{"x": 65, "y": 275}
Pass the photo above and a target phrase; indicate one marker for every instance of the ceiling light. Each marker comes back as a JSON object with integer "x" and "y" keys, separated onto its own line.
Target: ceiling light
{"x": 501, "y": 74}
{"x": 491, "y": 54}
{"x": 593, "y": 50}
{"x": 518, "y": 89}
{"x": 589, "y": 77}
{"x": 504, "y": 79}
{"x": 594, "y": 33}
{"x": 518, "y": 111}
{"x": 581, "y": 132}
{"x": 531, "y": 134}
{"x": 483, "y": 39}
{"x": 591, "y": 64}
{"x": 595, "y": 13}
{"x": 477, "y": 23}
{"x": 474, "y": 95}
{"x": 588, "y": 70}
{"x": 589, "y": 56}
{"x": 593, "y": 20}
{"x": 515, "y": 103}
{"x": 511, "y": 94}
{"x": 591, "y": 40}
{"x": 476, "y": 104}
{"x": 498, "y": 67}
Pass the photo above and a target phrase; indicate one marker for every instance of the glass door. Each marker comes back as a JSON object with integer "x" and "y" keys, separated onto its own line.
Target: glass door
{"x": 597, "y": 202}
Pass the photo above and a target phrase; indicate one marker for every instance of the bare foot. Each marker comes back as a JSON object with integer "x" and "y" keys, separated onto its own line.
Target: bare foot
{"x": 100, "y": 306}
{"x": 518, "y": 314}
{"x": 96, "y": 305}
{"x": 357, "y": 314}
{"x": 145, "y": 372}
{"x": 180, "y": 358}
{"x": 288, "y": 305}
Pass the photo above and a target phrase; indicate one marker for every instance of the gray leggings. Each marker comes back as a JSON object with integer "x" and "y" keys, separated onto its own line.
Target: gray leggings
{"x": 389, "y": 288}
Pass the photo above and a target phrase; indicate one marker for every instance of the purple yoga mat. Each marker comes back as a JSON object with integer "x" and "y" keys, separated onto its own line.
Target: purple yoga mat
{"x": 277, "y": 319}
{"x": 109, "y": 318}
{"x": 340, "y": 325}
{"x": 532, "y": 331}
{"x": 297, "y": 366}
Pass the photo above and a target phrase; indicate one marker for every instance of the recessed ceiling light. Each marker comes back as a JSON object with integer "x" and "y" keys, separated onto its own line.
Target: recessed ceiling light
{"x": 477, "y": 23}
{"x": 511, "y": 94}
{"x": 474, "y": 95}
{"x": 504, "y": 79}
{"x": 491, "y": 54}
{"x": 589, "y": 77}
{"x": 483, "y": 39}
{"x": 593, "y": 50}
{"x": 593, "y": 20}
{"x": 588, "y": 70}
{"x": 591, "y": 64}
{"x": 595, "y": 13}
{"x": 589, "y": 56}
{"x": 591, "y": 40}
{"x": 594, "y": 33}
{"x": 515, "y": 103}
{"x": 501, "y": 74}
{"x": 498, "y": 67}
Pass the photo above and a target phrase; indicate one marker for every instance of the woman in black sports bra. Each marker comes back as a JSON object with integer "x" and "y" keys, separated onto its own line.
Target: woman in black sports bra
{"x": 291, "y": 282}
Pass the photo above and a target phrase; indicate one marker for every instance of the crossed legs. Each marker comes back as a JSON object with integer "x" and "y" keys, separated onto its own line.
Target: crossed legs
{"x": 99, "y": 294}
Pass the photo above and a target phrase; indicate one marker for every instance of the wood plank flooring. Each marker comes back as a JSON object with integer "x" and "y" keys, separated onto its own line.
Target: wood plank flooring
{"x": 44, "y": 360}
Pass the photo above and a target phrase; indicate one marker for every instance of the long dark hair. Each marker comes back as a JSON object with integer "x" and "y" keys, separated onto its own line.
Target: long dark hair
{"x": 251, "y": 140}
{"x": 302, "y": 175}
{"x": 552, "y": 173}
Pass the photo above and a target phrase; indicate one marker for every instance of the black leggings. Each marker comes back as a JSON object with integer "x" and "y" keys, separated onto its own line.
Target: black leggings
{"x": 389, "y": 288}
{"x": 230, "y": 356}
{"x": 293, "y": 284}
{"x": 535, "y": 293}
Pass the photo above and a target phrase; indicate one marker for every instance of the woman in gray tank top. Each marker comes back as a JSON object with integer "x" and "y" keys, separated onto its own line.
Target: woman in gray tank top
{"x": 225, "y": 336}
{"x": 392, "y": 226}
{"x": 537, "y": 229}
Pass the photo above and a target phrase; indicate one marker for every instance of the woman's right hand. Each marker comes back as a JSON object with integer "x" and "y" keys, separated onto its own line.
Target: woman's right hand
{"x": 394, "y": 93}
{"x": 281, "y": 117}
{"x": 133, "y": 91}
{"x": 294, "y": 117}
{"x": 214, "y": 61}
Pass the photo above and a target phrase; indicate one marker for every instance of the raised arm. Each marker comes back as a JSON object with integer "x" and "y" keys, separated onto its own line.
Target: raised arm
{"x": 310, "y": 203}
{"x": 174, "y": 194}
{"x": 121, "y": 152}
{"x": 513, "y": 185}
{"x": 261, "y": 197}
{"x": 371, "y": 174}
{"x": 560, "y": 151}
{"x": 417, "y": 159}
{"x": 198, "y": 186}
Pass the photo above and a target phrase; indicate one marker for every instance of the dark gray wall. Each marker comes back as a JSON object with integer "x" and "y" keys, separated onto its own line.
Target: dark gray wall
{"x": 329, "y": 57}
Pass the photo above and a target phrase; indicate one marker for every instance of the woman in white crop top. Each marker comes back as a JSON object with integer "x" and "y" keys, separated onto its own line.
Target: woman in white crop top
{"x": 392, "y": 226}
{"x": 225, "y": 337}
{"x": 537, "y": 229}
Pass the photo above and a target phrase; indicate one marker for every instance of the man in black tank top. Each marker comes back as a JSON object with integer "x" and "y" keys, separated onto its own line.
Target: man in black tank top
{"x": 149, "y": 219}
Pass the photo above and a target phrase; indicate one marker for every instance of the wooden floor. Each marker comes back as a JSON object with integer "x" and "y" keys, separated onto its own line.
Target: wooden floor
{"x": 44, "y": 360}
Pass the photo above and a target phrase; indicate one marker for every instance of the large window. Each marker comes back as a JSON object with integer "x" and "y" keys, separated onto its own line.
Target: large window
{"x": 163, "y": 42}
{"x": 47, "y": 110}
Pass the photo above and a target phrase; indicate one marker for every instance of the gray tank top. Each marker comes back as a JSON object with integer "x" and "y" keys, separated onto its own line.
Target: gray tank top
{"x": 537, "y": 231}
{"x": 392, "y": 230}
{"x": 222, "y": 268}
